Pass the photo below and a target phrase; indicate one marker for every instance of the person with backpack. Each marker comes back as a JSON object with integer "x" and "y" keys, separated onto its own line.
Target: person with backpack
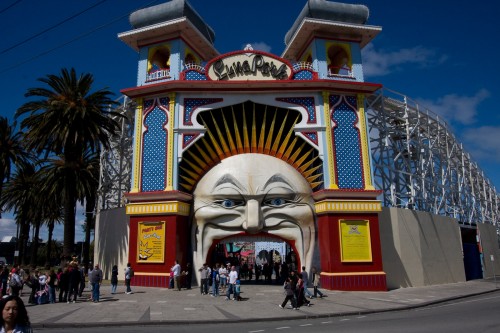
{"x": 129, "y": 274}
{"x": 15, "y": 283}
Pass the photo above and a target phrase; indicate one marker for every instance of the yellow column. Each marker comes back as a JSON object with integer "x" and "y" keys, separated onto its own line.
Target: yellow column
{"x": 365, "y": 153}
{"x": 170, "y": 138}
{"x": 328, "y": 128}
{"x": 137, "y": 146}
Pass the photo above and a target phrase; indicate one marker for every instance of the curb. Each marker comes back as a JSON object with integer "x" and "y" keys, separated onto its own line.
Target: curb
{"x": 278, "y": 318}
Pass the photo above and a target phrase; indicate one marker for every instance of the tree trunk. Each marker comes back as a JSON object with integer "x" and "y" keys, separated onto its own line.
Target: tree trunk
{"x": 69, "y": 215}
{"x": 48, "y": 260}
{"x": 90, "y": 217}
{"x": 34, "y": 245}
{"x": 23, "y": 238}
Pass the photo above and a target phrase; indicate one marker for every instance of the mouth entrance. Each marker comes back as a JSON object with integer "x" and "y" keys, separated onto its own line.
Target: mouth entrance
{"x": 263, "y": 259}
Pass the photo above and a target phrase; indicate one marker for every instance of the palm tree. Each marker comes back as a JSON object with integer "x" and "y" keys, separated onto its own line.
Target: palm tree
{"x": 17, "y": 196}
{"x": 47, "y": 209}
{"x": 11, "y": 151}
{"x": 86, "y": 173}
{"x": 89, "y": 183}
{"x": 67, "y": 120}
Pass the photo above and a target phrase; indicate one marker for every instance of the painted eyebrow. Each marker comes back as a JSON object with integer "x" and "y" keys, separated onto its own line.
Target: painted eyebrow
{"x": 228, "y": 179}
{"x": 278, "y": 178}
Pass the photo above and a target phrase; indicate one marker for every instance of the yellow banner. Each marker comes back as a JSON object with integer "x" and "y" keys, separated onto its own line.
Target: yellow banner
{"x": 151, "y": 242}
{"x": 355, "y": 241}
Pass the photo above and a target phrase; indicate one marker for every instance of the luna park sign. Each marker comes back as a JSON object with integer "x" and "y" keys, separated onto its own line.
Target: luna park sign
{"x": 248, "y": 66}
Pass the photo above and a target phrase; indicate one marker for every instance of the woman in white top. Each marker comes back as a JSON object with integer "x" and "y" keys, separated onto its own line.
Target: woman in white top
{"x": 223, "y": 278}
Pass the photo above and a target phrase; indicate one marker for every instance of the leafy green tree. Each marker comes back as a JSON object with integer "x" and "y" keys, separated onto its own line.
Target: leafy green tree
{"x": 68, "y": 119}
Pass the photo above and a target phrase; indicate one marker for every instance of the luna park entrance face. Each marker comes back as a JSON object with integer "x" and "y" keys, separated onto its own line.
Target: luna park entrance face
{"x": 253, "y": 195}
{"x": 259, "y": 259}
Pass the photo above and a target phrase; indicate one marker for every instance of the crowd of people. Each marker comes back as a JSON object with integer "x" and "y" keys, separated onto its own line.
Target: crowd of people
{"x": 224, "y": 280}
{"x": 66, "y": 284}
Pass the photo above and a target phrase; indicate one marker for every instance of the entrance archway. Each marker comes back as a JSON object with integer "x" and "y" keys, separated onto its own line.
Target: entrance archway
{"x": 261, "y": 258}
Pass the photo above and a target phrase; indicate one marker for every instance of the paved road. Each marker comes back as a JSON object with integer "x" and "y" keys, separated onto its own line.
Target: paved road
{"x": 473, "y": 314}
{"x": 154, "y": 305}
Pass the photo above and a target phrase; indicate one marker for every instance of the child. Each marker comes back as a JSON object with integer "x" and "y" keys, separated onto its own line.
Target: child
{"x": 237, "y": 289}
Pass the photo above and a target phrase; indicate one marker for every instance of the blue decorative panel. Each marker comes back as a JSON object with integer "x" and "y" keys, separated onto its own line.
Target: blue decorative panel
{"x": 187, "y": 138}
{"x": 190, "y": 104}
{"x": 303, "y": 75}
{"x": 154, "y": 156}
{"x": 195, "y": 76}
{"x": 347, "y": 142}
{"x": 306, "y": 102}
{"x": 313, "y": 136}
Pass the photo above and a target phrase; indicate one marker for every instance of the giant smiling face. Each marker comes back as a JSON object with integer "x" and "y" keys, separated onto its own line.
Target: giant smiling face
{"x": 253, "y": 193}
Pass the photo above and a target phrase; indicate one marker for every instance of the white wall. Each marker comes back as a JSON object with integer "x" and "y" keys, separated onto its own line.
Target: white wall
{"x": 419, "y": 248}
{"x": 489, "y": 243}
{"x": 112, "y": 241}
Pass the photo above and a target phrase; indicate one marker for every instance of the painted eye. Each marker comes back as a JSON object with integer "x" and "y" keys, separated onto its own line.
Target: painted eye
{"x": 229, "y": 203}
{"x": 276, "y": 202}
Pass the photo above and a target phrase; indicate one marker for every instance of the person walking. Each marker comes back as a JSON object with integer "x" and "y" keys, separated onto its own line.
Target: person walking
{"x": 96, "y": 279}
{"x": 289, "y": 295}
{"x": 301, "y": 296}
{"x": 114, "y": 279}
{"x": 316, "y": 278}
{"x": 129, "y": 273}
{"x": 233, "y": 276}
{"x": 305, "y": 279}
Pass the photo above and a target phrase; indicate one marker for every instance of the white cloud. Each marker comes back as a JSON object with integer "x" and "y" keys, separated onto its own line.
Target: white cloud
{"x": 456, "y": 108}
{"x": 482, "y": 142}
{"x": 8, "y": 227}
{"x": 383, "y": 62}
{"x": 259, "y": 46}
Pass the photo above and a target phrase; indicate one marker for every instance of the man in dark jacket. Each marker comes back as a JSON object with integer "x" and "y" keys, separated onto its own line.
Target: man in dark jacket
{"x": 96, "y": 279}
{"x": 74, "y": 282}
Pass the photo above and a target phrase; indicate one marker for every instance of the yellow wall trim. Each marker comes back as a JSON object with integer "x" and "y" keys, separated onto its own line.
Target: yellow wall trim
{"x": 348, "y": 206}
{"x": 169, "y": 207}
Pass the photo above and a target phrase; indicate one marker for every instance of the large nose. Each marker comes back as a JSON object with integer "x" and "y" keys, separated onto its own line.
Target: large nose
{"x": 254, "y": 219}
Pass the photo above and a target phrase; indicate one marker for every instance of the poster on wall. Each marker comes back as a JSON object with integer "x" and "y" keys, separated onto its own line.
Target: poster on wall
{"x": 355, "y": 241}
{"x": 151, "y": 242}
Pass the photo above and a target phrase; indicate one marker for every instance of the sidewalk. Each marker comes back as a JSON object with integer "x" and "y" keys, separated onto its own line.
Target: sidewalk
{"x": 260, "y": 302}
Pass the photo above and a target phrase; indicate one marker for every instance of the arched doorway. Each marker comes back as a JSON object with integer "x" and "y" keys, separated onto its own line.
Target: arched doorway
{"x": 259, "y": 259}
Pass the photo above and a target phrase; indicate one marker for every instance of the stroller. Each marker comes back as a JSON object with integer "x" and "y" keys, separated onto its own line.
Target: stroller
{"x": 42, "y": 296}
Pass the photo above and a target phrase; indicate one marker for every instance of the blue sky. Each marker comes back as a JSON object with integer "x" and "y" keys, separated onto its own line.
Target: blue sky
{"x": 440, "y": 53}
